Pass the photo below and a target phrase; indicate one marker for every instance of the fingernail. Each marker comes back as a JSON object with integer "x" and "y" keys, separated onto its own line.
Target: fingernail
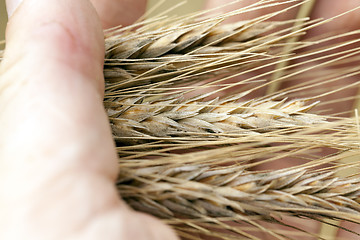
{"x": 11, "y": 6}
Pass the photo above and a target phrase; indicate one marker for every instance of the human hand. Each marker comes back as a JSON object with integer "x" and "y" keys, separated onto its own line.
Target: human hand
{"x": 57, "y": 158}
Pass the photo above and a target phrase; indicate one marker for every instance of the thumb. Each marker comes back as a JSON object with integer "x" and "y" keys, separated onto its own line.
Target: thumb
{"x": 57, "y": 157}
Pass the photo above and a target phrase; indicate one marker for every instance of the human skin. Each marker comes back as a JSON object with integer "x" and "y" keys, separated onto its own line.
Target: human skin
{"x": 56, "y": 182}
{"x": 57, "y": 159}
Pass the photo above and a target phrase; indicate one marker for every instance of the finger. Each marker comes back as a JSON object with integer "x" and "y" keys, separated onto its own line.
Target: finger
{"x": 57, "y": 158}
{"x": 250, "y": 10}
{"x": 352, "y": 231}
{"x": 330, "y": 8}
{"x": 119, "y": 12}
{"x": 343, "y": 23}
{"x": 81, "y": 47}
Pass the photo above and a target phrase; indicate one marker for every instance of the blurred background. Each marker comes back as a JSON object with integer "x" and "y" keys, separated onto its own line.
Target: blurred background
{"x": 3, "y": 20}
{"x": 187, "y": 7}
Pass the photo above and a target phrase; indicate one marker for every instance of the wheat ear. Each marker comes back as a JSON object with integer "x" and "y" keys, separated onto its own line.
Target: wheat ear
{"x": 203, "y": 192}
{"x": 172, "y": 52}
{"x": 216, "y": 188}
{"x": 198, "y": 161}
{"x": 167, "y": 118}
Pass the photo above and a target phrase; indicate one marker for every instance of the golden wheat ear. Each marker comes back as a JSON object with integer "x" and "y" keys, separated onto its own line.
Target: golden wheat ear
{"x": 170, "y": 52}
{"x": 140, "y": 120}
{"x": 213, "y": 157}
{"x": 146, "y": 69}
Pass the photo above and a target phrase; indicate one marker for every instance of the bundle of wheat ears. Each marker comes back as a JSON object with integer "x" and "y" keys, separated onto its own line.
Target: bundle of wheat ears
{"x": 210, "y": 144}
